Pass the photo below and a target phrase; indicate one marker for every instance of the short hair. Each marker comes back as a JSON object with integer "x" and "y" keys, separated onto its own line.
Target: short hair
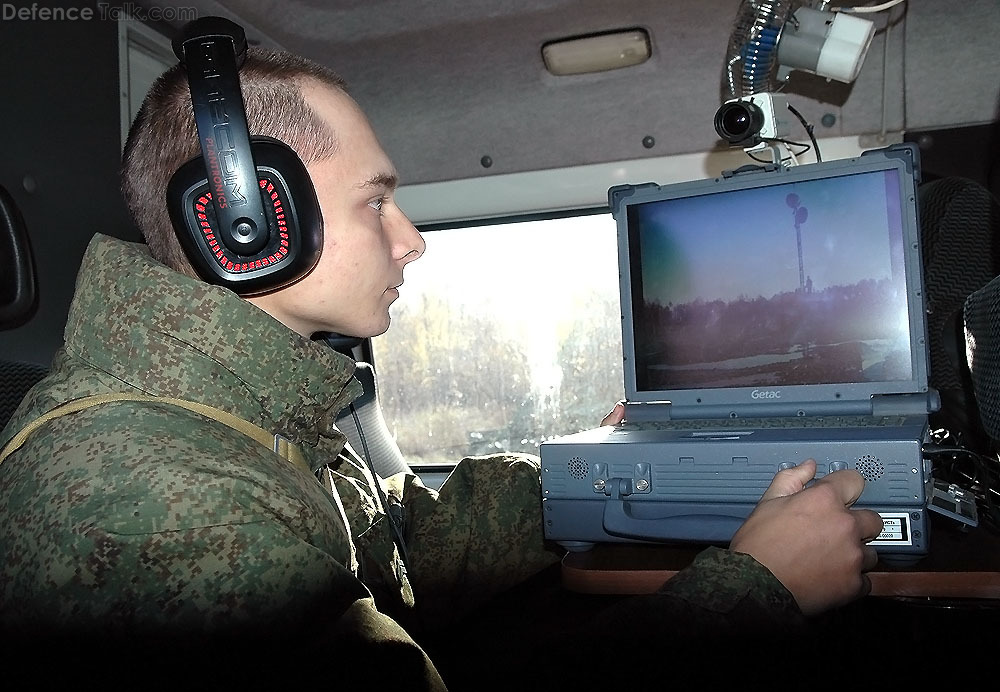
{"x": 164, "y": 136}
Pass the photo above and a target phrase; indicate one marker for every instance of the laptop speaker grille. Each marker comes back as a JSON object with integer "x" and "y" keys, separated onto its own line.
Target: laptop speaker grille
{"x": 870, "y": 467}
{"x": 579, "y": 468}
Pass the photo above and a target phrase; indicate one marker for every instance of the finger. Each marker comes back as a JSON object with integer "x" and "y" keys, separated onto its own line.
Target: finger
{"x": 870, "y": 559}
{"x": 615, "y": 415}
{"x": 790, "y": 481}
{"x": 869, "y": 523}
{"x": 866, "y": 585}
{"x": 848, "y": 484}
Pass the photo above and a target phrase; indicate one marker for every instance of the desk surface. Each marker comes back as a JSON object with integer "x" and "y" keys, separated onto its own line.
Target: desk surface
{"x": 959, "y": 565}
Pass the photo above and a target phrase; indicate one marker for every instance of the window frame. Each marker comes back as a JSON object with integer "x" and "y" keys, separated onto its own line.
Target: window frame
{"x": 486, "y": 199}
{"x": 136, "y": 42}
{"x": 602, "y": 216}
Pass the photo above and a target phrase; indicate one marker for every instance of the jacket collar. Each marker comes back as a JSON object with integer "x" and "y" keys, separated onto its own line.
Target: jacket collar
{"x": 169, "y": 335}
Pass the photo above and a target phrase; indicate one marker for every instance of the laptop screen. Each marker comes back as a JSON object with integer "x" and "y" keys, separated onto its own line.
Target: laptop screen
{"x": 793, "y": 282}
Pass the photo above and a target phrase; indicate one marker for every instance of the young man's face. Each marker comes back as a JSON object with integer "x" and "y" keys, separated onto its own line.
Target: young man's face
{"x": 367, "y": 240}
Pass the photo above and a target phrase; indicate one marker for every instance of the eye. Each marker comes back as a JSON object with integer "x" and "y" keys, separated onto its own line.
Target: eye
{"x": 377, "y": 203}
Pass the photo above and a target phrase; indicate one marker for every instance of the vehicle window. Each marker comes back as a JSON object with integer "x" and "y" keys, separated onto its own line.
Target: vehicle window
{"x": 503, "y": 336}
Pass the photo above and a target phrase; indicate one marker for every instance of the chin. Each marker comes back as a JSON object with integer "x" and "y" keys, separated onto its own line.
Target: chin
{"x": 376, "y": 329}
{"x": 384, "y": 328}
{"x": 361, "y": 330}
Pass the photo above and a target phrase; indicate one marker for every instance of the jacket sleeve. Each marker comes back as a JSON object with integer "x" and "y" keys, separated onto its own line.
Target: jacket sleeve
{"x": 721, "y": 597}
{"x": 731, "y": 590}
{"x": 478, "y": 537}
{"x": 724, "y": 618}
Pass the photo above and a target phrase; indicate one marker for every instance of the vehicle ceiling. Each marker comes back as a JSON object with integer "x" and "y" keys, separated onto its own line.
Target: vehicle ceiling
{"x": 447, "y": 82}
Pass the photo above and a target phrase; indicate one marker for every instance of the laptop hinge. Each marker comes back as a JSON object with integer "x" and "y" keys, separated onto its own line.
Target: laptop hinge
{"x": 643, "y": 413}
{"x": 661, "y": 411}
{"x": 916, "y": 404}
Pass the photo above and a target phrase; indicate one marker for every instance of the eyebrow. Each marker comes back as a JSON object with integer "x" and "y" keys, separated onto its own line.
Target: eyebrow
{"x": 387, "y": 180}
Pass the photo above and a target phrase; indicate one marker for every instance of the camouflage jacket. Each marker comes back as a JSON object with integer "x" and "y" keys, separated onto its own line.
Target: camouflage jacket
{"x": 146, "y": 519}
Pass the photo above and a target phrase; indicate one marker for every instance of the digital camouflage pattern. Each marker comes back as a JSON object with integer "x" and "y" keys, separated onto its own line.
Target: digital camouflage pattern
{"x": 136, "y": 517}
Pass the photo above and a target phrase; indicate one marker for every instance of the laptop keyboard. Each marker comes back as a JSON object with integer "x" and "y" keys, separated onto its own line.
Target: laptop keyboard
{"x": 774, "y": 422}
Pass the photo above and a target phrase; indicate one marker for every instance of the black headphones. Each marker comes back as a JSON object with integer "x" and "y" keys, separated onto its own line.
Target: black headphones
{"x": 245, "y": 211}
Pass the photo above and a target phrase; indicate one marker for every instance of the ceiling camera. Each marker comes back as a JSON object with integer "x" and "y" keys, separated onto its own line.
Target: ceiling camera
{"x": 746, "y": 122}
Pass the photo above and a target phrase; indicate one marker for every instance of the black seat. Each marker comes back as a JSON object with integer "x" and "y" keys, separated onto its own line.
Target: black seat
{"x": 981, "y": 315}
{"x": 18, "y": 302}
{"x": 16, "y": 378}
{"x": 960, "y": 243}
{"x": 18, "y": 282}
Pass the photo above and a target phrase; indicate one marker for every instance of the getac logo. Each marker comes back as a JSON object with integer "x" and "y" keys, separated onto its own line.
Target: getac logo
{"x": 765, "y": 394}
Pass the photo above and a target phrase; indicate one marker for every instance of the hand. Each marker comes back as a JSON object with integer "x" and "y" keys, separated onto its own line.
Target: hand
{"x": 810, "y": 539}
{"x": 616, "y": 415}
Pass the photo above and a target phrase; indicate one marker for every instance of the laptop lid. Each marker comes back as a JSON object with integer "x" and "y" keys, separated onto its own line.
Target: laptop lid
{"x": 772, "y": 291}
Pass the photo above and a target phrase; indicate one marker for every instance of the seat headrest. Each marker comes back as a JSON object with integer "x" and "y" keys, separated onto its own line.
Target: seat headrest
{"x": 18, "y": 282}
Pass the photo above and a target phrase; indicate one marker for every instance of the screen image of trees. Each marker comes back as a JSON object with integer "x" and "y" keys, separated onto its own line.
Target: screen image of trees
{"x": 844, "y": 333}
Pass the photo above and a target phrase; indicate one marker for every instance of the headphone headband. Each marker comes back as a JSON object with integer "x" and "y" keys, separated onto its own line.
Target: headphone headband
{"x": 212, "y": 27}
{"x": 212, "y": 60}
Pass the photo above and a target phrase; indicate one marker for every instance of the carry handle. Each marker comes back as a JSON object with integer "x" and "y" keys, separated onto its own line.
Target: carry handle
{"x": 670, "y": 521}
{"x": 705, "y": 528}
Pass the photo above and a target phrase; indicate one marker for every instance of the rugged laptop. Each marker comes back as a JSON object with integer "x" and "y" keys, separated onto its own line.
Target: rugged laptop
{"x": 769, "y": 315}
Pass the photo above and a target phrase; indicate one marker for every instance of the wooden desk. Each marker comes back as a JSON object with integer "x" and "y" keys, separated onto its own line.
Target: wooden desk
{"x": 959, "y": 565}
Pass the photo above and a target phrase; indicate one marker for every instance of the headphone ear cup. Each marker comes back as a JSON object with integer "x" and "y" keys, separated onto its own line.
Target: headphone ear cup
{"x": 294, "y": 239}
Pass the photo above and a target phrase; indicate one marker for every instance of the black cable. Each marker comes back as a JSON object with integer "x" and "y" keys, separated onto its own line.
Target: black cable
{"x": 809, "y": 131}
{"x": 982, "y": 482}
{"x": 394, "y": 521}
{"x": 790, "y": 143}
{"x": 759, "y": 160}
{"x": 805, "y": 148}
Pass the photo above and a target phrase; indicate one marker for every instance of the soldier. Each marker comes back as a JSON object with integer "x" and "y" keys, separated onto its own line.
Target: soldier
{"x": 162, "y": 527}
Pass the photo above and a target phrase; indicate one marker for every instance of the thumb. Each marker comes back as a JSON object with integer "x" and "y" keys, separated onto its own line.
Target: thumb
{"x": 615, "y": 415}
{"x": 790, "y": 481}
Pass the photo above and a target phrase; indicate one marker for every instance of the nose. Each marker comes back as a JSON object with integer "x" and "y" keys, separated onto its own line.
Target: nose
{"x": 408, "y": 244}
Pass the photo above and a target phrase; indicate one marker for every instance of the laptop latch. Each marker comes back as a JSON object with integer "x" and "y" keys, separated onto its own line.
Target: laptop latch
{"x": 749, "y": 168}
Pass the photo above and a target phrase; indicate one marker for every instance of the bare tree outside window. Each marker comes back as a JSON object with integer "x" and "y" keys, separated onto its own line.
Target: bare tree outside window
{"x": 503, "y": 336}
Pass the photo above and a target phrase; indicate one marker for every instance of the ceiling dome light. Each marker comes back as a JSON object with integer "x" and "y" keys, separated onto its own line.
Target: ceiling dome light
{"x": 596, "y": 52}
